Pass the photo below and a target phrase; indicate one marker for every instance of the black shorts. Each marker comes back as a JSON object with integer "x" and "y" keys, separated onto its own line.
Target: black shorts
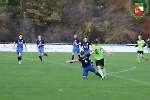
{"x": 140, "y": 52}
{"x": 99, "y": 62}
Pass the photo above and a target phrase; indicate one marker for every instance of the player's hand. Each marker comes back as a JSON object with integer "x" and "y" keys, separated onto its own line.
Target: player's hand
{"x": 26, "y": 48}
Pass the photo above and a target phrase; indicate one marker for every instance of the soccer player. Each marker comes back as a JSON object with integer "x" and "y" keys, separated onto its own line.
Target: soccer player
{"x": 86, "y": 65}
{"x": 40, "y": 45}
{"x": 98, "y": 57}
{"x": 76, "y": 49}
{"x": 20, "y": 41}
{"x": 86, "y": 45}
{"x": 140, "y": 49}
{"x": 148, "y": 45}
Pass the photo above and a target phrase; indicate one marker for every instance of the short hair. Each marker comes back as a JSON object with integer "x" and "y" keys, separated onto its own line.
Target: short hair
{"x": 82, "y": 53}
{"x": 20, "y": 34}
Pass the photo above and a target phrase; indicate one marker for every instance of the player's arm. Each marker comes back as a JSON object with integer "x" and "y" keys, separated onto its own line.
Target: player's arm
{"x": 25, "y": 45}
{"x": 71, "y": 61}
{"x": 106, "y": 51}
{"x": 144, "y": 45}
{"x": 81, "y": 46}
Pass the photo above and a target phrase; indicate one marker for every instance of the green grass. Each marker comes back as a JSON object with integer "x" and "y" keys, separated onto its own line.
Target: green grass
{"x": 35, "y": 80}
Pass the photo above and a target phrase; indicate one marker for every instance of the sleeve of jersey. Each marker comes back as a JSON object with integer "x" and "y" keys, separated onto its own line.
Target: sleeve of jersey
{"x": 24, "y": 41}
{"x": 37, "y": 43}
{"x": 43, "y": 42}
{"x": 16, "y": 41}
{"x": 144, "y": 44}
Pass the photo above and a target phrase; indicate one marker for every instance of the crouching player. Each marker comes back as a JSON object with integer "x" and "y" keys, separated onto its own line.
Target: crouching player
{"x": 86, "y": 65}
{"x": 40, "y": 45}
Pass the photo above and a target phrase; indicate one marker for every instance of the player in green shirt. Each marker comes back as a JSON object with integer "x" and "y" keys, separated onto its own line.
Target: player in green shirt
{"x": 99, "y": 60}
{"x": 140, "y": 49}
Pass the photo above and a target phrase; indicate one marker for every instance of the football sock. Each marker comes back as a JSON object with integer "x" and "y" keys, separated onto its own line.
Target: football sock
{"x": 19, "y": 58}
{"x": 40, "y": 58}
{"x": 72, "y": 57}
{"x": 100, "y": 72}
{"x": 104, "y": 71}
{"x": 78, "y": 56}
{"x": 138, "y": 58}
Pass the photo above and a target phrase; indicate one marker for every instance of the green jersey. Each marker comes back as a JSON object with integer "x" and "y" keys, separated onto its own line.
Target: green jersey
{"x": 98, "y": 55}
{"x": 140, "y": 44}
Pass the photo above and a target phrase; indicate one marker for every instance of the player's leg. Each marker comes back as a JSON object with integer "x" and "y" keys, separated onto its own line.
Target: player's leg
{"x": 78, "y": 52}
{"x": 138, "y": 57}
{"x": 92, "y": 69}
{"x": 141, "y": 55}
{"x": 42, "y": 52}
{"x": 103, "y": 68}
{"x": 99, "y": 67}
{"x": 40, "y": 55}
{"x": 85, "y": 73}
{"x": 20, "y": 56}
{"x": 72, "y": 56}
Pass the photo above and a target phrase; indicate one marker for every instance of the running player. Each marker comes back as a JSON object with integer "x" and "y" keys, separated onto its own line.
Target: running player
{"x": 20, "y": 41}
{"x": 76, "y": 49}
{"x": 148, "y": 45}
{"x": 40, "y": 45}
{"x": 98, "y": 57}
{"x": 140, "y": 49}
{"x": 86, "y": 45}
{"x": 86, "y": 65}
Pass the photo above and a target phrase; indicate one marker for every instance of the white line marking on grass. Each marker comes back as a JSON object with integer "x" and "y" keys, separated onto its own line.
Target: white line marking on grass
{"x": 126, "y": 70}
{"x": 129, "y": 79}
{"x": 133, "y": 67}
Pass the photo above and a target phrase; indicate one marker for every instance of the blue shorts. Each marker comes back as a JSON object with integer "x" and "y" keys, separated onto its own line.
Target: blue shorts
{"x": 87, "y": 69}
{"x": 41, "y": 50}
{"x": 76, "y": 50}
{"x": 87, "y": 52}
{"x": 19, "y": 50}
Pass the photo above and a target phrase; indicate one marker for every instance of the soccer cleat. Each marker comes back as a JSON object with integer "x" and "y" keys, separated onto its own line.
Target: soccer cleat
{"x": 19, "y": 62}
{"x": 85, "y": 78}
{"x": 146, "y": 59}
{"x": 46, "y": 54}
{"x": 105, "y": 77}
{"x": 102, "y": 78}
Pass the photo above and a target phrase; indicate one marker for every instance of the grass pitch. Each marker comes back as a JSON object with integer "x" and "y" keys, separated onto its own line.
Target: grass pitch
{"x": 53, "y": 79}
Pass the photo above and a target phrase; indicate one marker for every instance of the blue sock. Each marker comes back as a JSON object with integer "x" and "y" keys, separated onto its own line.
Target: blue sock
{"x": 72, "y": 57}
{"x": 40, "y": 58}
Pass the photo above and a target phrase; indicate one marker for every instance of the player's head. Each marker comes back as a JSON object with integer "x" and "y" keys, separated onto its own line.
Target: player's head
{"x": 39, "y": 37}
{"x": 85, "y": 39}
{"x": 75, "y": 35}
{"x": 139, "y": 37}
{"x": 82, "y": 53}
{"x": 96, "y": 42}
{"x": 20, "y": 36}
